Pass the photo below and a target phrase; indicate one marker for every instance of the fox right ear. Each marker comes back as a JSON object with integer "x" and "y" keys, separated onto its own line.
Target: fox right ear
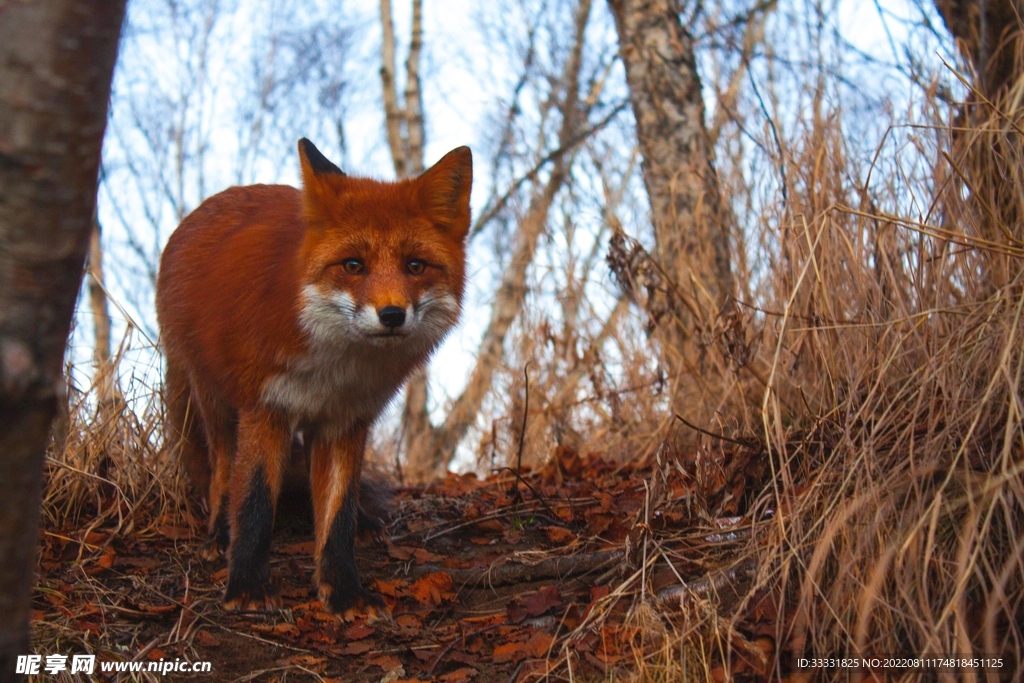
{"x": 446, "y": 187}
{"x": 314, "y": 163}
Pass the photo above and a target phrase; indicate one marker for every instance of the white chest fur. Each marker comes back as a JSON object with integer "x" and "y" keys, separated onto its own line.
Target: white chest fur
{"x": 348, "y": 376}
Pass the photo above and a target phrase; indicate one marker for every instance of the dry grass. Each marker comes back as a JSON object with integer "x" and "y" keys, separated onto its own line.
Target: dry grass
{"x": 887, "y": 396}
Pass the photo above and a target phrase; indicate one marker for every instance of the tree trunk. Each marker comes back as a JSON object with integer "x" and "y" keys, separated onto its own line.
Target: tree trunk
{"x": 985, "y": 139}
{"x": 690, "y": 219}
{"x": 56, "y": 62}
{"x": 405, "y": 138}
{"x": 430, "y": 451}
{"x": 988, "y": 33}
{"x": 107, "y": 392}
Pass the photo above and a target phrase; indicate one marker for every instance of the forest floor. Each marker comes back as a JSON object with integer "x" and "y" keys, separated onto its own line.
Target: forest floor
{"x": 581, "y": 571}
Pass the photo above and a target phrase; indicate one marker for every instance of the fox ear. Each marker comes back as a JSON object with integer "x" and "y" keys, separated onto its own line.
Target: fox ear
{"x": 446, "y": 187}
{"x": 314, "y": 163}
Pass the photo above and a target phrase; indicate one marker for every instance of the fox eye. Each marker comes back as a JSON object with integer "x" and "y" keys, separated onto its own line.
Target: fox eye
{"x": 352, "y": 266}
{"x": 416, "y": 267}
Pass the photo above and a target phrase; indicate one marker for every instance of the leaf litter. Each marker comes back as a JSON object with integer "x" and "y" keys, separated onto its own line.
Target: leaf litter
{"x": 576, "y": 571}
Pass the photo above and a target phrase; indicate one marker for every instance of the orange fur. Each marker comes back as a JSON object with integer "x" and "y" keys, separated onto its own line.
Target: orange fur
{"x": 283, "y": 309}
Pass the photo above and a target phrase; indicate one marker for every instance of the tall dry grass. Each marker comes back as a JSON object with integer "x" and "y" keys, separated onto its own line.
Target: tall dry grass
{"x": 886, "y": 394}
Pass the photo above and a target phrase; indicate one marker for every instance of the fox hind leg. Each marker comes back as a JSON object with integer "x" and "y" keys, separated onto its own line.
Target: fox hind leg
{"x": 221, "y": 442}
{"x": 264, "y": 442}
{"x": 184, "y": 428}
{"x": 335, "y": 482}
{"x": 203, "y": 433}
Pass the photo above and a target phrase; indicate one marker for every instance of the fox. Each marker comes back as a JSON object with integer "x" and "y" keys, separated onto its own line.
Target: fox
{"x": 294, "y": 315}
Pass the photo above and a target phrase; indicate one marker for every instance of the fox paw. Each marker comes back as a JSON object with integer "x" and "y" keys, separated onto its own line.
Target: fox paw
{"x": 216, "y": 544}
{"x": 352, "y": 604}
{"x": 212, "y": 550}
{"x": 251, "y": 597}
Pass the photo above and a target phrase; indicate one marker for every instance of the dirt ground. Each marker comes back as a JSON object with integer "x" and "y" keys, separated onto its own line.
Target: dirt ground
{"x": 567, "y": 572}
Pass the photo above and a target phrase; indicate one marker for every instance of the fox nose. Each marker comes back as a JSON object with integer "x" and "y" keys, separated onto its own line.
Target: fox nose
{"x": 391, "y": 316}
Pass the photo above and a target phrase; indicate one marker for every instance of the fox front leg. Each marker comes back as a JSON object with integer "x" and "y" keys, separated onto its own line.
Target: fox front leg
{"x": 263, "y": 448}
{"x": 334, "y": 477}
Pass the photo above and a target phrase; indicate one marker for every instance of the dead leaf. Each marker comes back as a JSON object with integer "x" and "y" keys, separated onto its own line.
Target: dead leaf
{"x": 400, "y": 552}
{"x": 433, "y": 588}
{"x": 508, "y": 652}
{"x": 533, "y": 604}
{"x": 301, "y": 548}
{"x": 282, "y": 629}
{"x": 175, "y": 533}
{"x": 156, "y": 609}
{"x": 539, "y": 644}
{"x": 424, "y": 556}
{"x": 386, "y": 662}
{"x": 311, "y": 662}
{"x": 560, "y": 535}
{"x": 207, "y": 639}
{"x": 461, "y": 675}
{"x": 389, "y": 588}
{"x": 358, "y": 632}
{"x": 409, "y": 622}
{"x": 357, "y": 648}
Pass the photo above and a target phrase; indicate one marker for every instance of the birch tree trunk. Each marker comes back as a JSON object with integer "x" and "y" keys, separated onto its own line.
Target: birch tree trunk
{"x": 430, "y": 450}
{"x": 404, "y": 124}
{"x": 56, "y": 62}
{"x": 107, "y": 391}
{"x": 690, "y": 220}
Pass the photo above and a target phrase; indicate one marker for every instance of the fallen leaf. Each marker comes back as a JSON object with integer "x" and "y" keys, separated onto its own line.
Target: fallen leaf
{"x": 560, "y": 535}
{"x": 539, "y": 644}
{"x": 466, "y": 673}
{"x": 301, "y": 548}
{"x": 175, "y": 533}
{"x": 311, "y": 662}
{"x": 386, "y": 662}
{"x": 433, "y": 588}
{"x": 401, "y": 552}
{"x": 508, "y": 652}
{"x": 533, "y": 604}
{"x": 156, "y": 609}
{"x": 207, "y": 639}
{"x": 357, "y": 648}
{"x": 409, "y": 622}
{"x": 358, "y": 632}
{"x": 283, "y": 629}
{"x": 389, "y": 588}
{"x": 424, "y": 556}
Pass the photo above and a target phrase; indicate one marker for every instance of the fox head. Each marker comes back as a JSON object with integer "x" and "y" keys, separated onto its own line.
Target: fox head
{"x": 383, "y": 262}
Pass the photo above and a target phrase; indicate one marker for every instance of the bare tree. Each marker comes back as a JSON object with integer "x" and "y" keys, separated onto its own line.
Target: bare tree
{"x": 429, "y": 454}
{"x": 404, "y": 124}
{"x": 107, "y": 391}
{"x": 56, "y": 62}
{"x": 689, "y": 281}
{"x": 404, "y": 120}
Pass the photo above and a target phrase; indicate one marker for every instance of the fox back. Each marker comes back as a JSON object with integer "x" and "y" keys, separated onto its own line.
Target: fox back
{"x": 282, "y": 309}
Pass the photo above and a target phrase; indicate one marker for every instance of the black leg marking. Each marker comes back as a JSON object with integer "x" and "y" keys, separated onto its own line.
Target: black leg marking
{"x": 249, "y": 566}
{"x": 338, "y": 571}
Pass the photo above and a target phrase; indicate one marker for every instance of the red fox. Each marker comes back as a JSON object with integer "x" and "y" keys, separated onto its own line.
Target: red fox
{"x": 284, "y": 310}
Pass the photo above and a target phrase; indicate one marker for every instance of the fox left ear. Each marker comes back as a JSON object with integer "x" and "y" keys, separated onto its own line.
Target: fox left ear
{"x": 314, "y": 163}
{"x": 446, "y": 187}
